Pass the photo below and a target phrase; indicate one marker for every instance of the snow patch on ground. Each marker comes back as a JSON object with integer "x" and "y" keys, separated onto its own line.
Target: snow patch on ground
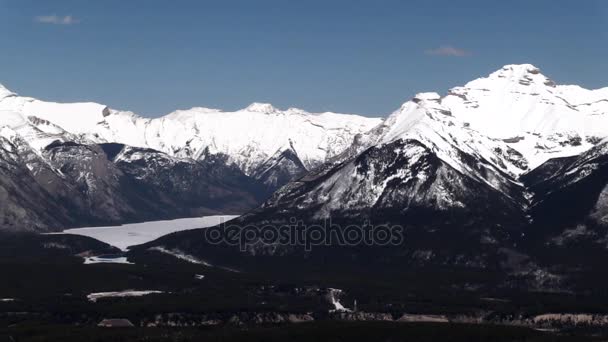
{"x": 334, "y": 295}
{"x": 180, "y": 255}
{"x": 138, "y": 233}
{"x": 189, "y": 258}
{"x": 93, "y": 297}
{"x": 106, "y": 260}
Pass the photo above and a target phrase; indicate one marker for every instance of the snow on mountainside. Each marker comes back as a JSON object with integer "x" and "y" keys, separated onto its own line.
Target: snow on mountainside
{"x": 529, "y": 111}
{"x": 453, "y": 160}
{"x": 419, "y": 157}
{"x": 516, "y": 104}
{"x": 248, "y": 137}
{"x": 435, "y": 153}
{"x": 252, "y": 135}
{"x": 427, "y": 120}
{"x": 105, "y": 166}
{"x": 502, "y": 166}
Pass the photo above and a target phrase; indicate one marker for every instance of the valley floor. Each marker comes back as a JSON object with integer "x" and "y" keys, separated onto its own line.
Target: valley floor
{"x": 51, "y": 294}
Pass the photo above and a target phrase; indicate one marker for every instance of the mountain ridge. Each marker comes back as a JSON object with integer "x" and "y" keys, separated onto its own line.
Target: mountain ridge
{"x": 489, "y": 132}
{"x": 188, "y": 133}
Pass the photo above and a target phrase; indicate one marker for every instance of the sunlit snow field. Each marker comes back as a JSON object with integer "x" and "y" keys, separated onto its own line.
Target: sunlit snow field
{"x": 137, "y": 233}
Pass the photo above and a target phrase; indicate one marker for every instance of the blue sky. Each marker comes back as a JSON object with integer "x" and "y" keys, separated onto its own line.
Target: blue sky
{"x": 366, "y": 57}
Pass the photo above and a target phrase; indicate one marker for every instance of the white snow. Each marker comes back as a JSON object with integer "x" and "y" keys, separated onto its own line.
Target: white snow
{"x": 515, "y": 107}
{"x": 69, "y": 116}
{"x": 252, "y": 135}
{"x": 189, "y": 258}
{"x": 518, "y": 102}
{"x": 181, "y": 255}
{"x": 93, "y": 297}
{"x": 5, "y": 92}
{"x": 138, "y": 233}
{"x": 333, "y": 297}
{"x": 106, "y": 260}
{"x": 427, "y": 120}
{"x": 11, "y": 119}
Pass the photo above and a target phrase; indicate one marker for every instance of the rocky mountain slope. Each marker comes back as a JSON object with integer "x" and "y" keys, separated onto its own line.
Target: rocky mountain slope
{"x": 574, "y": 197}
{"x": 68, "y": 183}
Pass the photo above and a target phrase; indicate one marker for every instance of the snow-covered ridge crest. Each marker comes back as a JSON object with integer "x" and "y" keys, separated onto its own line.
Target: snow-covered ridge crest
{"x": 247, "y": 137}
{"x": 529, "y": 112}
{"x": 515, "y": 107}
{"x": 427, "y": 120}
{"x": 5, "y": 92}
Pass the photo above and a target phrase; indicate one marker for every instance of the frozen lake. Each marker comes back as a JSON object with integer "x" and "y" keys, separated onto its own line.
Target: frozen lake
{"x": 137, "y": 233}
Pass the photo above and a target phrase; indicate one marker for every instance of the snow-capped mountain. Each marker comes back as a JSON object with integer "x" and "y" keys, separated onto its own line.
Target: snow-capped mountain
{"x": 107, "y": 166}
{"x": 68, "y": 183}
{"x": 460, "y": 155}
{"x": 248, "y": 137}
{"x": 491, "y": 131}
{"x": 474, "y": 167}
{"x": 420, "y": 160}
{"x": 535, "y": 116}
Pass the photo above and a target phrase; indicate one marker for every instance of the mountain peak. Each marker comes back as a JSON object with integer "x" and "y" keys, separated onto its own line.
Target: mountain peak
{"x": 4, "y": 92}
{"x": 525, "y": 67}
{"x": 524, "y": 74}
{"x": 258, "y": 107}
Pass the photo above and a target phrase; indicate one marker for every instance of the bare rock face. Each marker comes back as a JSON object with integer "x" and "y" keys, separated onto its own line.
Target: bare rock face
{"x": 571, "y": 203}
{"x": 26, "y": 205}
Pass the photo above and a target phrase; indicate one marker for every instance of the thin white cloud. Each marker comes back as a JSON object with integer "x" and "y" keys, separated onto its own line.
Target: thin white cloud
{"x": 56, "y": 20}
{"x": 449, "y": 51}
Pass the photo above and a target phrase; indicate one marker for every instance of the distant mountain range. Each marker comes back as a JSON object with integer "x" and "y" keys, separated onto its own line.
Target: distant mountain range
{"x": 76, "y": 164}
